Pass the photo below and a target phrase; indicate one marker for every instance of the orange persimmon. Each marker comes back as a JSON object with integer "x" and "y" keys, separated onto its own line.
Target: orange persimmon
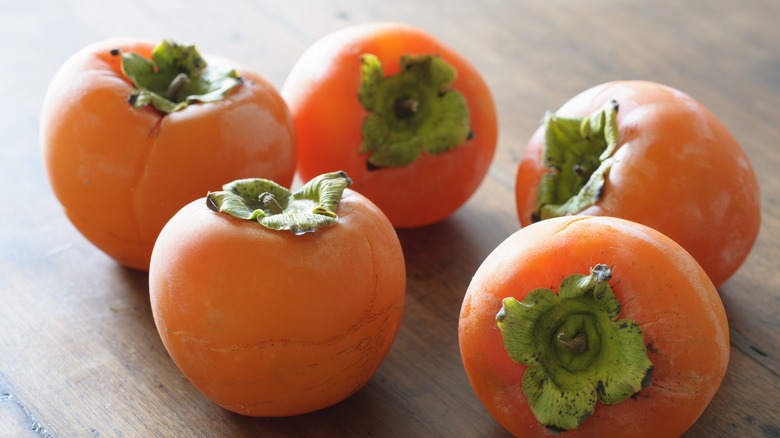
{"x": 638, "y": 348}
{"x": 651, "y": 154}
{"x": 121, "y": 165}
{"x": 277, "y": 304}
{"x": 408, "y": 118}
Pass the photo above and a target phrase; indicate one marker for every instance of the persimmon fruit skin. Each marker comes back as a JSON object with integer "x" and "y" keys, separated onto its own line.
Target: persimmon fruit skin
{"x": 322, "y": 93}
{"x": 268, "y": 323}
{"x": 120, "y": 173}
{"x": 677, "y": 169}
{"x": 659, "y": 285}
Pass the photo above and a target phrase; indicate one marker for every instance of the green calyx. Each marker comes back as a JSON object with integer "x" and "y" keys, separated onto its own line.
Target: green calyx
{"x": 576, "y": 349}
{"x": 411, "y": 111}
{"x": 578, "y": 151}
{"x": 175, "y": 77}
{"x": 275, "y": 207}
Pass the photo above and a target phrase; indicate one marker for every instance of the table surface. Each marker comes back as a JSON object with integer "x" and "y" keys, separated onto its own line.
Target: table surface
{"x": 79, "y": 352}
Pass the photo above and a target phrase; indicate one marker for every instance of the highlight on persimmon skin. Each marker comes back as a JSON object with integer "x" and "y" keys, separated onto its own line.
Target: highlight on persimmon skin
{"x": 349, "y": 94}
{"x": 672, "y": 165}
{"x": 659, "y": 289}
{"x": 277, "y": 322}
{"x": 121, "y": 172}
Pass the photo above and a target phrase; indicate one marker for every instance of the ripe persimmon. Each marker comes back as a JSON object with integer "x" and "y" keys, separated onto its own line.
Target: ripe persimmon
{"x": 122, "y": 158}
{"x": 277, "y": 304}
{"x": 408, "y": 118}
{"x": 651, "y": 154}
{"x": 590, "y": 327}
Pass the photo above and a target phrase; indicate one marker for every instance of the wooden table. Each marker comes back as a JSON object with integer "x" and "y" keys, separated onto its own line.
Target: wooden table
{"x": 79, "y": 353}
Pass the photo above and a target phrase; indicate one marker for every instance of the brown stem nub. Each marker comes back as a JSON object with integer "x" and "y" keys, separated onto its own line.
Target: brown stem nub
{"x": 577, "y": 344}
{"x": 269, "y": 201}
{"x": 173, "y": 88}
{"x": 406, "y": 107}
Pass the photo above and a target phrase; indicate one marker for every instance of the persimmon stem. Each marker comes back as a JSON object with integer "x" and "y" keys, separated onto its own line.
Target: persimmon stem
{"x": 406, "y": 107}
{"x": 576, "y": 344}
{"x": 176, "y": 84}
{"x": 269, "y": 201}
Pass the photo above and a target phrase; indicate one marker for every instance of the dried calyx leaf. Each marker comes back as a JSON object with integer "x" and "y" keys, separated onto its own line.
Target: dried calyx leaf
{"x": 578, "y": 152}
{"x": 275, "y": 207}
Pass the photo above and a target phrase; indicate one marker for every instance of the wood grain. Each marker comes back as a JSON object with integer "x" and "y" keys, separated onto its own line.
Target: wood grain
{"x": 79, "y": 353}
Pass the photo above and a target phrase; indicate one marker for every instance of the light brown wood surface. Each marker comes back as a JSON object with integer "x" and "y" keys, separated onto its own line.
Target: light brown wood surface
{"x": 79, "y": 352}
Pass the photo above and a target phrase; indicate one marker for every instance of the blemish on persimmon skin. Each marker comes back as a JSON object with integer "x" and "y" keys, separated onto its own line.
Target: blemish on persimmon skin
{"x": 651, "y": 348}
{"x": 648, "y": 379}
{"x": 574, "y": 219}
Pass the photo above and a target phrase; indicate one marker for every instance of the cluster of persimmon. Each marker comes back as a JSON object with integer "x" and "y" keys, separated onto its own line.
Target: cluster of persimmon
{"x": 636, "y": 203}
{"x": 271, "y": 301}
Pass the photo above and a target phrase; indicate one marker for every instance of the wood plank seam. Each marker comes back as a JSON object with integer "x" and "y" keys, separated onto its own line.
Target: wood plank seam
{"x": 34, "y": 425}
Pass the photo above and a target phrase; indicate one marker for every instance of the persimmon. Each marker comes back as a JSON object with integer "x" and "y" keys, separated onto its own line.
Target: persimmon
{"x": 593, "y": 326}
{"x": 408, "y": 118}
{"x": 651, "y": 154}
{"x": 132, "y": 131}
{"x": 275, "y": 303}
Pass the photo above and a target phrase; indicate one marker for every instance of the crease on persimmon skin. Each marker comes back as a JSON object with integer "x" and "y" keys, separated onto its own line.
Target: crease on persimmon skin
{"x": 268, "y": 343}
{"x": 300, "y": 367}
{"x": 351, "y": 369}
{"x": 572, "y": 221}
{"x": 153, "y": 133}
{"x": 111, "y": 72}
{"x": 681, "y": 385}
{"x": 354, "y": 348}
{"x": 644, "y": 324}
